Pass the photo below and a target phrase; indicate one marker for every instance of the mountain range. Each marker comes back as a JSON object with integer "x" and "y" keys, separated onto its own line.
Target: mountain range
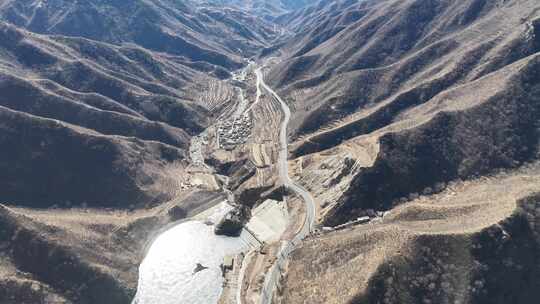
{"x": 422, "y": 116}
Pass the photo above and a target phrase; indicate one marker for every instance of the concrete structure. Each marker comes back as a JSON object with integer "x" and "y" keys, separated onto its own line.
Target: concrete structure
{"x": 228, "y": 264}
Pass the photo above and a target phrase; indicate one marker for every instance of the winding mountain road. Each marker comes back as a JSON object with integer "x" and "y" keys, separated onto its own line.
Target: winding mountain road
{"x": 272, "y": 277}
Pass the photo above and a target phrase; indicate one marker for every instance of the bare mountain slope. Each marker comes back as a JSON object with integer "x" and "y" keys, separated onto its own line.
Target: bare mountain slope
{"x": 422, "y": 115}
{"x": 427, "y": 110}
{"x": 476, "y": 242}
{"x": 99, "y": 101}
{"x": 90, "y": 89}
{"x": 338, "y": 65}
{"x": 132, "y": 81}
{"x": 268, "y": 9}
{"x": 461, "y": 135}
{"x": 67, "y": 165}
{"x": 216, "y": 35}
{"x": 455, "y": 81}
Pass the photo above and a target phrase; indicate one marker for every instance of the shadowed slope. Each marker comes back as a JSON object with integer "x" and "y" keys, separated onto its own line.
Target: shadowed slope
{"x": 64, "y": 163}
{"x": 453, "y": 142}
{"x": 393, "y": 51}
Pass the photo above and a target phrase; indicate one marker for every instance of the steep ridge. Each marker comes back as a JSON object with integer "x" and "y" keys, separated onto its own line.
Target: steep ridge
{"x": 198, "y": 33}
{"x": 451, "y": 71}
{"x": 426, "y": 109}
{"x": 68, "y": 165}
{"x": 90, "y": 89}
{"x": 422, "y": 116}
{"x": 336, "y": 66}
{"x": 500, "y": 132}
{"x": 91, "y": 67}
{"x": 268, "y": 9}
{"x": 99, "y": 102}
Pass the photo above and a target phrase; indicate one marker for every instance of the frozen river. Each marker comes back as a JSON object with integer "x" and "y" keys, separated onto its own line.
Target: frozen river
{"x": 166, "y": 275}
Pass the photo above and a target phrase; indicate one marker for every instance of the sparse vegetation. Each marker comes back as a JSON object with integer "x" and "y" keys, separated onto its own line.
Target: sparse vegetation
{"x": 415, "y": 122}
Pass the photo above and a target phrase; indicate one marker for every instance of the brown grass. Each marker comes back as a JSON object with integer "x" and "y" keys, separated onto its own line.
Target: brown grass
{"x": 336, "y": 267}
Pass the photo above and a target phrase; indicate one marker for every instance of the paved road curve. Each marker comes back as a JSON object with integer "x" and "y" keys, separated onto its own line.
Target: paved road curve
{"x": 272, "y": 277}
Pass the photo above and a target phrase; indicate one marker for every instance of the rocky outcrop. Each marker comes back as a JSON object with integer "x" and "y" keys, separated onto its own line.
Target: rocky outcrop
{"x": 233, "y": 222}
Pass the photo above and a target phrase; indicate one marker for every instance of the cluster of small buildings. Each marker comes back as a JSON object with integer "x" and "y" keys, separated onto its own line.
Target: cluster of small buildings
{"x": 372, "y": 217}
{"x": 196, "y": 147}
{"x": 234, "y": 131}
